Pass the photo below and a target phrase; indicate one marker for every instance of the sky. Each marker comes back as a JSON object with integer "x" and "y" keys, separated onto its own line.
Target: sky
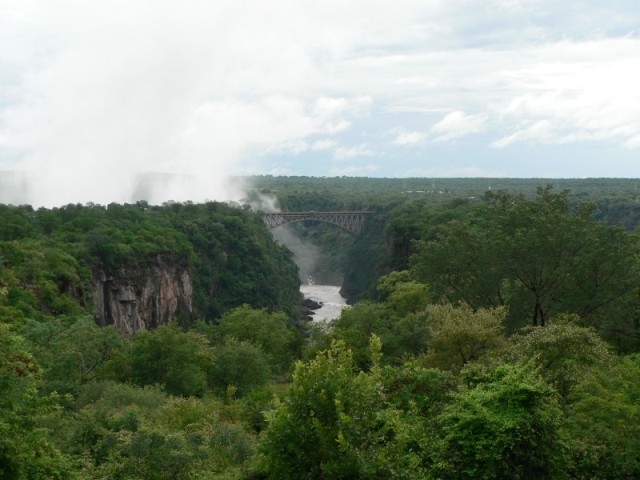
{"x": 119, "y": 100}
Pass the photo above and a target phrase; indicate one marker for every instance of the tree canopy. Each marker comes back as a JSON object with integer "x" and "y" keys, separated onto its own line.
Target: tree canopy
{"x": 540, "y": 258}
{"x": 495, "y": 337}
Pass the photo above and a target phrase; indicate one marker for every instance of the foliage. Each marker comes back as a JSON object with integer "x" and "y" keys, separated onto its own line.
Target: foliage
{"x": 540, "y": 258}
{"x": 73, "y": 352}
{"x": 412, "y": 387}
{"x": 128, "y": 432}
{"x": 355, "y": 327}
{"x": 406, "y": 297}
{"x": 241, "y": 366}
{"x": 178, "y": 361}
{"x": 505, "y": 427}
{"x": 545, "y": 402}
{"x": 268, "y": 331}
{"x": 40, "y": 280}
{"x": 256, "y": 403}
{"x": 564, "y": 352}
{"x": 334, "y": 424}
{"x": 51, "y": 255}
{"x": 604, "y": 422}
{"x": 25, "y": 453}
{"x": 400, "y": 321}
{"x": 458, "y": 335}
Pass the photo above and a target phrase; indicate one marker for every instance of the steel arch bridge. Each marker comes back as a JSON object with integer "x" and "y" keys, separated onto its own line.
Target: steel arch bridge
{"x": 350, "y": 221}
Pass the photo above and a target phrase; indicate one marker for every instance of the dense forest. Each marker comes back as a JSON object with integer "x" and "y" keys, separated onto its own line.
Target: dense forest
{"x": 411, "y": 209}
{"x": 494, "y": 333}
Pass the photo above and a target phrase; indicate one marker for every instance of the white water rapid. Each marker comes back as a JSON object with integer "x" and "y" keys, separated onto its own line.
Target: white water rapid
{"x": 329, "y": 296}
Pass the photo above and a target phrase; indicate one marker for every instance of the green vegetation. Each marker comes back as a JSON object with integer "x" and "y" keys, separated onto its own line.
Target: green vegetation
{"x": 24, "y": 450}
{"x": 495, "y": 338}
{"x": 49, "y": 256}
{"x": 410, "y": 209}
{"x": 540, "y": 259}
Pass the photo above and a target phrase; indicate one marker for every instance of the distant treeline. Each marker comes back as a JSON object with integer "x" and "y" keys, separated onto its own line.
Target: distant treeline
{"x": 368, "y": 188}
{"x": 411, "y": 209}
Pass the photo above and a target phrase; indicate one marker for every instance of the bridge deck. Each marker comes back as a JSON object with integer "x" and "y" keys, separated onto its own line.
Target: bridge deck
{"x": 352, "y": 221}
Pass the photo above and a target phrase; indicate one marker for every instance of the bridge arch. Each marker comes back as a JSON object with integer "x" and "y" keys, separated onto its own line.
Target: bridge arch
{"x": 350, "y": 221}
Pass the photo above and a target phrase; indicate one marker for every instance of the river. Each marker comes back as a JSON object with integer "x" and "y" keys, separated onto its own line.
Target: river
{"x": 329, "y": 296}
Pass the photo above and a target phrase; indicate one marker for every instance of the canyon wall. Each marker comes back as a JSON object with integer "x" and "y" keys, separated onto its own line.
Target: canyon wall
{"x": 144, "y": 298}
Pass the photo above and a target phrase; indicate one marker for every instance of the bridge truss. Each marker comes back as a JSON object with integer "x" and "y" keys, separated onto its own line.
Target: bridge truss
{"x": 351, "y": 221}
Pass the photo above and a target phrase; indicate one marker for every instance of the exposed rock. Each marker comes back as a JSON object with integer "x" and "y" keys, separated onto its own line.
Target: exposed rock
{"x": 139, "y": 299}
{"x": 305, "y": 315}
{"x": 307, "y": 309}
{"x": 311, "y": 304}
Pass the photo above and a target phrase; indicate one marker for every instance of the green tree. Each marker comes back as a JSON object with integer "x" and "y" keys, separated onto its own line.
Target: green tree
{"x": 462, "y": 264}
{"x": 400, "y": 321}
{"x": 74, "y": 352}
{"x": 178, "y": 361}
{"x": 25, "y": 452}
{"x": 540, "y": 257}
{"x": 41, "y": 280}
{"x": 564, "y": 352}
{"x": 334, "y": 424}
{"x": 125, "y": 432}
{"x": 458, "y": 335}
{"x": 240, "y": 365}
{"x": 16, "y": 223}
{"x": 507, "y": 426}
{"x": 403, "y": 294}
{"x": 603, "y": 424}
{"x": 412, "y": 387}
{"x": 355, "y": 327}
{"x": 268, "y": 331}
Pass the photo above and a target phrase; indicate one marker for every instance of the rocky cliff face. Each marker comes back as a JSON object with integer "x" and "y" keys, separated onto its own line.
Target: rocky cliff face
{"x": 138, "y": 299}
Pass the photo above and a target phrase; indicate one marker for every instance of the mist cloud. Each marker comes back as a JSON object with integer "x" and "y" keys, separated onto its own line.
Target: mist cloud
{"x": 110, "y": 92}
{"x": 106, "y": 101}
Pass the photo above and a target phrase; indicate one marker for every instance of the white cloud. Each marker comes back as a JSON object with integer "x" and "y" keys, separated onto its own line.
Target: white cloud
{"x": 583, "y": 92}
{"x": 452, "y": 126}
{"x": 289, "y": 147}
{"x": 457, "y": 124}
{"x": 633, "y": 142}
{"x": 141, "y": 86}
{"x": 410, "y": 138}
{"x": 540, "y": 131}
{"x": 344, "y": 153}
{"x": 330, "y": 113}
{"x": 323, "y": 144}
{"x": 93, "y": 93}
{"x": 327, "y": 108}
